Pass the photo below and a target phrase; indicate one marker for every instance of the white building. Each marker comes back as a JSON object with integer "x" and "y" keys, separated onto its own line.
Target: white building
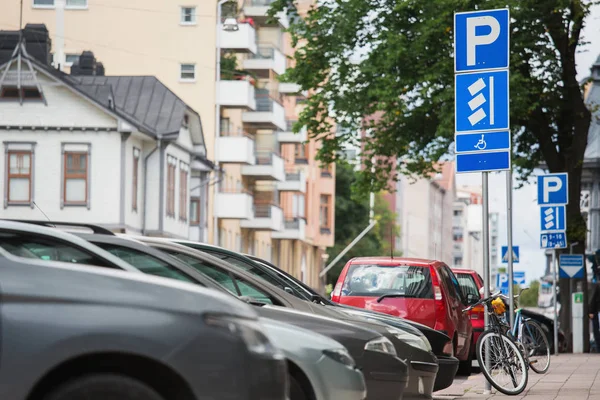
{"x": 467, "y": 231}
{"x": 426, "y": 224}
{"x": 122, "y": 152}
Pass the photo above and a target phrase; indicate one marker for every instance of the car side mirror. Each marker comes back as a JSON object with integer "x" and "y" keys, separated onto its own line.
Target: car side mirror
{"x": 315, "y": 298}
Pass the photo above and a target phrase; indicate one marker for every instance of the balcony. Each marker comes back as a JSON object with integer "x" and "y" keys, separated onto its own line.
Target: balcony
{"x": 293, "y": 229}
{"x": 237, "y": 148}
{"x": 269, "y": 114}
{"x": 237, "y": 94}
{"x": 265, "y": 217}
{"x": 289, "y": 88}
{"x": 234, "y": 204}
{"x": 268, "y": 167}
{"x": 267, "y": 58}
{"x": 243, "y": 40}
{"x": 294, "y": 182}
{"x": 288, "y": 136}
{"x": 257, "y": 10}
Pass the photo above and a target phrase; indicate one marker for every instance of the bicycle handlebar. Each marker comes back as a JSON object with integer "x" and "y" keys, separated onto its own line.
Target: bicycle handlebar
{"x": 492, "y": 297}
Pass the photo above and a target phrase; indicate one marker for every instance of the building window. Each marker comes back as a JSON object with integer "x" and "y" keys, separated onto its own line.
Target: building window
{"x": 134, "y": 180}
{"x": 183, "y": 191}
{"x": 301, "y": 153}
{"x": 326, "y": 171}
{"x": 195, "y": 211}
{"x": 71, "y": 59}
{"x": 68, "y": 3}
{"x": 187, "y": 72}
{"x": 324, "y": 219}
{"x": 75, "y": 190}
{"x": 188, "y": 16}
{"x": 25, "y": 93}
{"x": 19, "y": 177}
{"x": 171, "y": 169}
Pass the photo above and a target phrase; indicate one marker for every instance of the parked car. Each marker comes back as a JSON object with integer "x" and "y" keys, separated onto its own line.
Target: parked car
{"x": 72, "y": 332}
{"x": 44, "y": 244}
{"x": 470, "y": 282}
{"x": 425, "y": 291}
{"x": 467, "y": 278}
{"x": 439, "y": 343}
{"x": 448, "y": 364}
{"x": 422, "y": 363}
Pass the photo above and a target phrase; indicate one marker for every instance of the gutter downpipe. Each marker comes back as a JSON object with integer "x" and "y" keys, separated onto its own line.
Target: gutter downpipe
{"x": 158, "y": 144}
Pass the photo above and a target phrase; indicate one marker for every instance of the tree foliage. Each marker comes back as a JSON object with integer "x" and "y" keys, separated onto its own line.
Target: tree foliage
{"x": 394, "y": 58}
{"x": 352, "y": 216}
{"x": 529, "y": 298}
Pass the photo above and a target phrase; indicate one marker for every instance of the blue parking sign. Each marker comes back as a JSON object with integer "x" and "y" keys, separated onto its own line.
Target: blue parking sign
{"x": 481, "y": 40}
{"x": 481, "y": 102}
{"x": 553, "y": 189}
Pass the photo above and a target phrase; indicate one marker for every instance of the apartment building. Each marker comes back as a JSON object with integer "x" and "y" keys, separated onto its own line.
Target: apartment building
{"x": 267, "y": 195}
{"x": 467, "y": 228}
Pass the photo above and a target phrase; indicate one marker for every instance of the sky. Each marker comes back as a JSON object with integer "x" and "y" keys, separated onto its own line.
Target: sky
{"x": 526, "y": 219}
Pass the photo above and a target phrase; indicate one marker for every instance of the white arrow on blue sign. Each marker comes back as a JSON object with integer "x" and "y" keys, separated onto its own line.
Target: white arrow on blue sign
{"x": 481, "y": 40}
{"x": 553, "y": 189}
{"x": 502, "y": 280}
{"x": 553, "y": 218}
{"x": 571, "y": 265}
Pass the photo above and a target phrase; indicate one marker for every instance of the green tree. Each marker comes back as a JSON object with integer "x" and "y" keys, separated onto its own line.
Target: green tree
{"x": 352, "y": 217}
{"x": 394, "y": 58}
{"x": 529, "y": 298}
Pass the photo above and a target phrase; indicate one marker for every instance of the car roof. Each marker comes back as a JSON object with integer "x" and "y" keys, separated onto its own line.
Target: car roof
{"x": 67, "y": 237}
{"x": 464, "y": 271}
{"x": 396, "y": 261}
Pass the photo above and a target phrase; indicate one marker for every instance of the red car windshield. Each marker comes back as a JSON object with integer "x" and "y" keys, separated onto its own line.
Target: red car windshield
{"x": 467, "y": 284}
{"x": 376, "y": 280}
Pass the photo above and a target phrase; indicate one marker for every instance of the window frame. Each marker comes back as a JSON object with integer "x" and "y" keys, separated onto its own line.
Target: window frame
{"x": 183, "y": 191}
{"x": 79, "y": 149}
{"x": 181, "y": 72}
{"x": 9, "y": 176}
{"x": 182, "y": 15}
{"x": 171, "y": 184}
{"x": 135, "y": 170}
{"x": 325, "y": 209}
{"x": 67, "y": 6}
{"x": 195, "y": 204}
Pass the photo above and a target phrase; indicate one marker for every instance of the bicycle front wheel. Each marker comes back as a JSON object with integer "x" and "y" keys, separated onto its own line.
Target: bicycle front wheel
{"x": 502, "y": 363}
{"x": 537, "y": 346}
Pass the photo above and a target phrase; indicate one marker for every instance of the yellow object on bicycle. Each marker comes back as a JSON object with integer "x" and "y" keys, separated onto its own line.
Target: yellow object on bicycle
{"x": 499, "y": 307}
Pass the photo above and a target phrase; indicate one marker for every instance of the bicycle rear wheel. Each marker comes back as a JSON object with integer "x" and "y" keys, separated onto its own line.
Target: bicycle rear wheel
{"x": 537, "y": 346}
{"x": 505, "y": 369}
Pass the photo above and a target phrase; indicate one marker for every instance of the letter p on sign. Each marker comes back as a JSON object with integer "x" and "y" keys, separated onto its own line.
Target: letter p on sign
{"x": 553, "y": 189}
{"x": 474, "y": 40}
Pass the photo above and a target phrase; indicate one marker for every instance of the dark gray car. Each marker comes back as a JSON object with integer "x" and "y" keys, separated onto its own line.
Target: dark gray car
{"x": 72, "y": 332}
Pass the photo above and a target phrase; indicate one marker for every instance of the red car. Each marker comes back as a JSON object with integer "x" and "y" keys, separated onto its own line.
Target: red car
{"x": 471, "y": 282}
{"x": 423, "y": 291}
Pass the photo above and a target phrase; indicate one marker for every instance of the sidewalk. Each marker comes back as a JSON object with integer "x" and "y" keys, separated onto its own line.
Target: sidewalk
{"x": 572, "y": 377}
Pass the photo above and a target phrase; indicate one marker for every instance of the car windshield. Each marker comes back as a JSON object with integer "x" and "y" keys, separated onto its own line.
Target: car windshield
{"x": 377, "y": 280}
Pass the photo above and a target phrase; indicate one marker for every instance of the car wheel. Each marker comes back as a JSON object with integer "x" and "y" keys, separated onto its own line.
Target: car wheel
{"x": 296, "y": 391}
{"x": 103, "y": 387}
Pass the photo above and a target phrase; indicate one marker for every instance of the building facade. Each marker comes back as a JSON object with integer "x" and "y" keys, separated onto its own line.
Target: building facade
{"x": 467, "y": 229}
{"x": 267, "y": 195}
{"x": 110, "y": 150}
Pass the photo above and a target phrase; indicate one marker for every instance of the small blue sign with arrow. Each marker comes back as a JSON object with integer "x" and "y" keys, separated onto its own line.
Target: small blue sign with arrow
{"x": 571, "y": 265}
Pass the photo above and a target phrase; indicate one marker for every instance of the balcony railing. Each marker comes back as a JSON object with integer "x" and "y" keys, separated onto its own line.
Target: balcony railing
{"x": 293, "y": 176}
{"x": 292, "y": 223}
{"x": 260, "y": 3}
{"x": 263, "y": 210}
{"x": 263, "y": 52}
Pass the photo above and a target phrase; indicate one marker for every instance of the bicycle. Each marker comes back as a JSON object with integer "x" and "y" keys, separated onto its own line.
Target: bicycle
{"x": 530, "y": 335}
{"x": 497, "y": 352}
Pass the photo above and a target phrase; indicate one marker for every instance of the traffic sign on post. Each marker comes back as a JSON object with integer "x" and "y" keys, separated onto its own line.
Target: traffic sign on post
{"x": 481, "y": 58}
{"x": 556, "y": 240}
{"x": 515, "y": 254}
{"x": 503, "y": 279}
{"x": 553, "y": 218}
{"x": 571, "y": 265}
{"x": 553, "y": 197}
{"x": 553, "y": 189}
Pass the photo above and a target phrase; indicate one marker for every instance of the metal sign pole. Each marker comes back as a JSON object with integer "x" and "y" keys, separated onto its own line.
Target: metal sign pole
{"x": 486, "y": 264}
{"x": 510, "y": 247}
{"x": 554, "y": 273}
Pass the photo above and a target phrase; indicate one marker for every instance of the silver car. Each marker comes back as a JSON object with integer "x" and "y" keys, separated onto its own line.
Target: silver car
{"x": 325, "y": 364}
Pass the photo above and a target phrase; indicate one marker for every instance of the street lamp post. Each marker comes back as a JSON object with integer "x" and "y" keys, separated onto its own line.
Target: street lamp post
{"x": 229, "y": 26}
